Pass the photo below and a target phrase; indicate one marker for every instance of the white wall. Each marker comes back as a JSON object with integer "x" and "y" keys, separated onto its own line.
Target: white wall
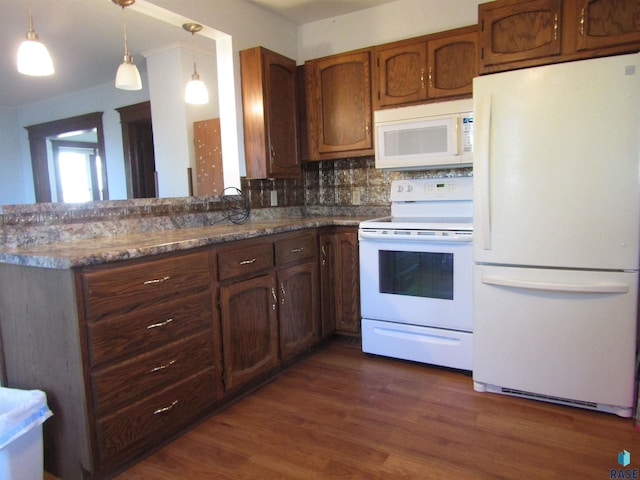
{"x": 16, "y": 184}
{"x": 386, "y": 23}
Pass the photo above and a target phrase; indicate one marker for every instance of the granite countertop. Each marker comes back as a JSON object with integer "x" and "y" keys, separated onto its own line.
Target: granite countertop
{"x": 93, "y": 251}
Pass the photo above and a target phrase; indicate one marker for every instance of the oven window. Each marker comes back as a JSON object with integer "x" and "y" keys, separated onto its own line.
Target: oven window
{"x": 418, "y": 274}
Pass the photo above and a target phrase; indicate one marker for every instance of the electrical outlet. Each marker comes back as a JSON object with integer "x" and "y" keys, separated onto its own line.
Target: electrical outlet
{"x": 355, "y": 197}
{"x": 274, "y": 198}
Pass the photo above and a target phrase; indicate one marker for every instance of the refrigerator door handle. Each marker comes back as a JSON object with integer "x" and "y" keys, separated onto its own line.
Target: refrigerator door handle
{"x": 483, "y": 169}
{"x": 605, "y": 288}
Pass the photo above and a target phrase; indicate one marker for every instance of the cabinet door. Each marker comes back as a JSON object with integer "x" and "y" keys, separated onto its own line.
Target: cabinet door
{"x": 347, "y": 284}
{"x": 605, "y": 23}
{"x": 517, "y": 31}
{"x": 280, "y": 77}
{"x": 452, "y": 65}
{"x": 327, "y": 284}
{"x": 249, "y": 329}
{"x": 339, "y": 105}
{"x": 270, "y": 114}
{"x": 401, "y": 74}
{"x": 298, "y": 307}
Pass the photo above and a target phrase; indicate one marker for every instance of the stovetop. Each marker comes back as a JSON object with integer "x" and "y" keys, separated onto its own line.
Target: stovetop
{"x": 429, "y": 204}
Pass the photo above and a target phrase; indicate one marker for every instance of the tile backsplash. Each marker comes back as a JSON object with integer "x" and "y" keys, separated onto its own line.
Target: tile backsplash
{"x": 346, "y": 182}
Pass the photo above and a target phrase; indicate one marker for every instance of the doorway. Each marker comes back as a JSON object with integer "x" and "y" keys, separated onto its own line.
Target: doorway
{"x": 41, "y": 140}
{"x": 139, "y": 155}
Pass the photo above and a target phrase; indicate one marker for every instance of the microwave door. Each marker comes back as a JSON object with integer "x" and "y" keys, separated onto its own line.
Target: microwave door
{"x": 423, "y": 143}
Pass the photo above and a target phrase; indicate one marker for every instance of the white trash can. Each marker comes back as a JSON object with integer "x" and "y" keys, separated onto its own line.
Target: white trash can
{"x": 22, "y": 413}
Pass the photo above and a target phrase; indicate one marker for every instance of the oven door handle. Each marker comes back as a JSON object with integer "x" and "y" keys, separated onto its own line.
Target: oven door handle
{"x": 453, "y": 238}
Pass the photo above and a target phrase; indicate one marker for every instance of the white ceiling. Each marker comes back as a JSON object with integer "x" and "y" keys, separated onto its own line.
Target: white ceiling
{"x": 79, "y": 32}
{"x": 306, "y": 11}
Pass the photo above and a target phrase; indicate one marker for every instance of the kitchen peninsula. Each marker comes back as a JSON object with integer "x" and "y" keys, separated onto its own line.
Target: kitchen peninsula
{"x": 148, "y": 319}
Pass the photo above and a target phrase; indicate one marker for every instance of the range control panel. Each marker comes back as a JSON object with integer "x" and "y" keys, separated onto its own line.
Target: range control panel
{"x": 432, "y": 189}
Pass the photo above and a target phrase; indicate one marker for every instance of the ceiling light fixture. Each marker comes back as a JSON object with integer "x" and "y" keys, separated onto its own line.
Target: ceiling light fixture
{"x": 128, "y": 76}
{"x": 33, "y": 56}
{"x": 196, "y": 92}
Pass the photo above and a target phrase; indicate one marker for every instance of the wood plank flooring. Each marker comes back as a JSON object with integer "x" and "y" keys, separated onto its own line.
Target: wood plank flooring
{"x": 340, "y": 414}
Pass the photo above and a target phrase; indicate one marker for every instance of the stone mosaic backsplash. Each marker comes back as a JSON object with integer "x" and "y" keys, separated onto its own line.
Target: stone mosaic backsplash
{"x": 346, "y": 182}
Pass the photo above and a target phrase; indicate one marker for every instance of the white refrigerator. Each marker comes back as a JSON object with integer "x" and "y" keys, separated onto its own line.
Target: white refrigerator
{"x": 556, "y": 232}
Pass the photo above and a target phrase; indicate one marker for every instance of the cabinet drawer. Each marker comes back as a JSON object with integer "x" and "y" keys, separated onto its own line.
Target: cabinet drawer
{"x": 300, "y": 247}
{"x": 129, "y": 431}
{"x": 146, "y": 328}
{"x": 121, "y": 384}
{"x": 121, "y": 288}
{"x": 245, "y": 260}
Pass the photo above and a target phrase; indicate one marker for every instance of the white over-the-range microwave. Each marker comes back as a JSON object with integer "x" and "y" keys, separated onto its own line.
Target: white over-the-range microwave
{"x": 424, "y": 136}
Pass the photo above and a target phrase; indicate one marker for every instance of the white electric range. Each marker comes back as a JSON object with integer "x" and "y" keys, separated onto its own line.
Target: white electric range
{"x": 416, "y": 274}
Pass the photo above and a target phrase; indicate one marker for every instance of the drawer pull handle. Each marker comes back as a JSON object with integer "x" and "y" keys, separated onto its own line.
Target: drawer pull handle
{"x": 162, "y": 367}
{"x": 297, "y": 250}
{"x": 160, "y": 324}
{"x": 248, "y": 262}
{"x": 157, "y": 280}
{"x": 166, "y": 409}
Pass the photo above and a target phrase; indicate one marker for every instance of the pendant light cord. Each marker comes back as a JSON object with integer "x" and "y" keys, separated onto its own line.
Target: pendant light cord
{"x": 193, "y": 46}
{"x": 124, "y": 33}
{"x": 31, "y": 33}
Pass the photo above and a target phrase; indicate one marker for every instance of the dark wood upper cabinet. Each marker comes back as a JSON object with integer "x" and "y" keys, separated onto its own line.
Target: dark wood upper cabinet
{"x": 339, "y": 113}
{"x": 515, "y": 34}
{"x": 401, "y": 74}
{"x": 515, "y": 31}
{"x": 453, "y": 63}
{"x": 425, "y": 68}
{"x": 603, "y": 23}
{"x": 270, "y": 113}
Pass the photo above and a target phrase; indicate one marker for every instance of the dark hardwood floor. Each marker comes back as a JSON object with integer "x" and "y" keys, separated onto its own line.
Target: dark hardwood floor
{"x": 342, "y": 414}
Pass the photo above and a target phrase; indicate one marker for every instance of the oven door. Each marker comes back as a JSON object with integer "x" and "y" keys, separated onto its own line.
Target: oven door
{"x": 414, "y": 281}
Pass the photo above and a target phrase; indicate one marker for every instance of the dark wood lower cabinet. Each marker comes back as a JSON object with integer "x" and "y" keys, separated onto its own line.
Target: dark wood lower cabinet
{"x": 340, "y": 284}
{"x": 298, "y": 308}
{"x": 132, "y": 353}
{"x": 249, "y": 329}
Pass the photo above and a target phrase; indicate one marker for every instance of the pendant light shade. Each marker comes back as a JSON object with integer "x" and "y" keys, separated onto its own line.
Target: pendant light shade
{"x": 127, "y": 76}
{"x": 33, "y": 56}
{"x": 196, "y": 92}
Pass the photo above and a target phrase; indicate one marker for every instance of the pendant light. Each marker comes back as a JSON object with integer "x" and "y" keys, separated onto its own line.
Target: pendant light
{"x": 128, "y": 76}
{"x": 196, "y": 92}
{"x": 33, "y": 56}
